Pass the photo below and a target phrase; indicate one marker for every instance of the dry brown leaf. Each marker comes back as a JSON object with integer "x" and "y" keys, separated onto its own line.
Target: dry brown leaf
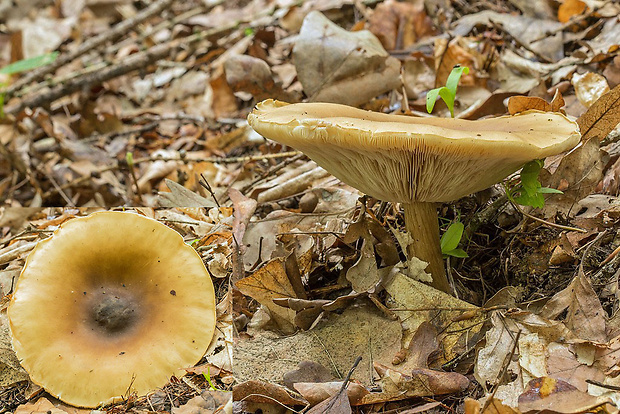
{"x": 208, "y": 402}
{"x": 243, "y": 209}
{"x": 563, "y": 364}
{"x": 397, "y": 385}
{"x": 602, "y": 117}
{"x": 557, "y": 397}
{"x": 335, "y": 65}
{"x": 307, "y": 371}
{"x": 364, "y": 274}
{"x": 41, "y": 406}
{"x": 586, "y": 317}
{"x": 338, "y": 404}
{"x": 524, "y": 29}
{"x": 423, "y": 344}
{"x": 493, "y": 407}
{"x": 267, "y": 283}
{"x": 517, "y": 104}
{"x": 316, "y": 392}
{"x": 456, "y": 52}
{"x": 578, "y": 174}
{"x": 252, "y": 75}
{"x": 399, "y": 25}
{"x": 182, "y": 196}
{"x": 265, "y": 392}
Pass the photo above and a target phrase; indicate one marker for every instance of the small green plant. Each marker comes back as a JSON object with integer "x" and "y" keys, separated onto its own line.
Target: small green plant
{"x": 450, "y": 240}
{"x": 529, "y": 192}
{"x": 207, "y": 376}
{"x": 23, "y": 66}
{"x": 448, "y": 92}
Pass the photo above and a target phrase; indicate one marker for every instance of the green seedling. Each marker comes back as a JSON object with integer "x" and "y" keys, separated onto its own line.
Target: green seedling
{"x": 448, "y": 92}
{"x": 207, "y": 376}
{"x": 450, "y": 240}
{"x": 23, "y": 66}
{"x": 530, "y": 192}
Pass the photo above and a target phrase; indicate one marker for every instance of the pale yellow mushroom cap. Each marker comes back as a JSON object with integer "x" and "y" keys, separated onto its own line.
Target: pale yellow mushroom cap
{"x": 111, "y": 302}
{"x": 404, "y": 159}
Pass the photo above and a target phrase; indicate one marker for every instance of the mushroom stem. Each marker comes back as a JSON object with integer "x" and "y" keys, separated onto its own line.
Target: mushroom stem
{"x": 422, "y": 224}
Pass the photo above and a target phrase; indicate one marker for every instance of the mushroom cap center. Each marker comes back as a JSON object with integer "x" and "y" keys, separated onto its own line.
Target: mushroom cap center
{"x": 112, "y": 311}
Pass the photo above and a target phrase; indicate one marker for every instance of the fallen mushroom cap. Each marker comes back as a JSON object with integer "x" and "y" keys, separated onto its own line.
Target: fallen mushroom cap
{"x": 112, "y": 302}
{"x": 402, "y": 158}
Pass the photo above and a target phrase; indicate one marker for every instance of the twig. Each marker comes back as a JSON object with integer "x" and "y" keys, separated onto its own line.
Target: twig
{"x": 161, "y": 26}
{"x": 133, "y": 62}
{"x": 611, "y": 256}
{"x": 90, "y": 44}
{"x": 600, "y": 384}
{"x": 548, "y": 223}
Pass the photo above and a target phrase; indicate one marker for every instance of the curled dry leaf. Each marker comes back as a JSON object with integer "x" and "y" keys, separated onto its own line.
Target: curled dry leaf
{"x": 265, "y": 392}
{"x": 315, "y": 392}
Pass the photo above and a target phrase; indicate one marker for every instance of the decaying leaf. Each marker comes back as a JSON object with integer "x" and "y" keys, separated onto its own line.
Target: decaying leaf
{"x": 267, "y": 283}
{"x": 338, "y": 404}
{"x": 558, "y": 397}
{"x": 265, "y": 392}
{"x": 420, "y": 382}
{"x": 602, "y": 117}
{"x": 334, "y": 65}
{"x": 417, "y": 303}
{"x": 316, "y": 392}
{"x": 585, "y": 317}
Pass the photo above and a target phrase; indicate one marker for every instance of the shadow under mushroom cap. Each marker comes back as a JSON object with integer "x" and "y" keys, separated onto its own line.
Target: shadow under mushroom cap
{"x": 111, "y": 301}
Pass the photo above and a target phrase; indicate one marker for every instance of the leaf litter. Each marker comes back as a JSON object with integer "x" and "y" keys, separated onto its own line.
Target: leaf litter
{"x": 155, "y": 109}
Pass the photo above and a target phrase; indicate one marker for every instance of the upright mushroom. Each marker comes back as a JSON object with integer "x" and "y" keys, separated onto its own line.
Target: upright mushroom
{"x": 415, "y": 161}
{"x": 111, "y": 304}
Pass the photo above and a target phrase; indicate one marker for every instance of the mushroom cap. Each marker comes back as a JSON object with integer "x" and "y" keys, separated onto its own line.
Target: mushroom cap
{"x": 407, "y": 159}
{"x": 111, "y": 302}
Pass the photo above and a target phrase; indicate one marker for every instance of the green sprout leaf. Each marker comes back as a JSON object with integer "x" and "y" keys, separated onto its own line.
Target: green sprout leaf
{"x": 450, "y": 240}
{"x": 448, "y": 92}
{"x": 29, "y": 64}
{"x": 530, "y": 191}
{"x": 129, "y": 158}
{"x": 23, "y": 66}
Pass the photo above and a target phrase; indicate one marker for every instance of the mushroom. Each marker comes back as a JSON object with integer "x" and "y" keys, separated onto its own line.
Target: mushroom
{"x": 113, "y": 303}
{"x": 415, "y": 161}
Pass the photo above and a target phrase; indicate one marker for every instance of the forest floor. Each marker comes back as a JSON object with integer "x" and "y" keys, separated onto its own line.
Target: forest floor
{"x": 142, "y": 105}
